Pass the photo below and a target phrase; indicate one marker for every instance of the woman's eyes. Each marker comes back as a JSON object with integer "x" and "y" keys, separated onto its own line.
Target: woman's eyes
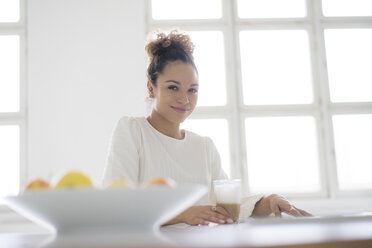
{"x": 174, "y": 88}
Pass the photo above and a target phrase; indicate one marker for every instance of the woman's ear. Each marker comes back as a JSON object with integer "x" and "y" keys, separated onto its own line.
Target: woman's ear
{"x": 150, "y": 89}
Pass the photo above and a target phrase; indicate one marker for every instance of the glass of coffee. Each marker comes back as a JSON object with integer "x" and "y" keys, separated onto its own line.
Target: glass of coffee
{"x": 228, "y": 194}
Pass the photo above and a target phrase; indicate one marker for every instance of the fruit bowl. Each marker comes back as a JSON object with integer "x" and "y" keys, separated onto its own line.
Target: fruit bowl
{"x": 105, "y": 210}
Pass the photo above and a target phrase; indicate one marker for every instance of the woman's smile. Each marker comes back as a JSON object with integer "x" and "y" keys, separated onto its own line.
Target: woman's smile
{"x": 180, "y": 110}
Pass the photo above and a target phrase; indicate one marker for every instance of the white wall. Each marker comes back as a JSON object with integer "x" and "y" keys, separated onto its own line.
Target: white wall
{"x": 86, "y": 68}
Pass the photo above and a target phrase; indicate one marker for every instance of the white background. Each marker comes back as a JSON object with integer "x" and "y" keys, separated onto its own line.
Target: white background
{"x": 86, "y": 68}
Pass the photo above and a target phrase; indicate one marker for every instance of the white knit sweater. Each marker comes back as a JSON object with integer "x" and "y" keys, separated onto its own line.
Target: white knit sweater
{"x": 139, "y": 152}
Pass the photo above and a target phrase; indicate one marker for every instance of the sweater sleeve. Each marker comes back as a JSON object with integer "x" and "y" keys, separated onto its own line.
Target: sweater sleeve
{"x": 247, "y": 204}
{"x": 123, "y": 156}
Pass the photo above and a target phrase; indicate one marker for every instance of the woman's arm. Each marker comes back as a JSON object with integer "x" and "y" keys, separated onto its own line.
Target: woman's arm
{"x": 276, "y": 204}
{"x": 202, "y": 215}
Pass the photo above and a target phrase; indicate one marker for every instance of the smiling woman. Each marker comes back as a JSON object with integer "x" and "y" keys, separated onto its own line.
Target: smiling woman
{"x": 144, "y": 148}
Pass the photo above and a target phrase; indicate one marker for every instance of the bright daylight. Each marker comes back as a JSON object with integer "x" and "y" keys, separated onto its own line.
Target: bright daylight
{"x": 185, "y": 123}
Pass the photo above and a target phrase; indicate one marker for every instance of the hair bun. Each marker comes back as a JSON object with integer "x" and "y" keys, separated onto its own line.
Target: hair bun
{"x": 163, "y": 43}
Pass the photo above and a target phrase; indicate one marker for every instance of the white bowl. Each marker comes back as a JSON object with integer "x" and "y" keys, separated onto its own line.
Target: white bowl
{"x": 116, "y": 209}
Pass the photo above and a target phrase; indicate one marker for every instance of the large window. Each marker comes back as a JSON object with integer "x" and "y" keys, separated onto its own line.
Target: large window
{"x": 12, "y": 95}
{"x": 285, "y": 89}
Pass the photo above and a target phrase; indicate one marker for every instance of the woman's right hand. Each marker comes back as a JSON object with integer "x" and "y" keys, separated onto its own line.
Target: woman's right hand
{"x": 202, "y": 215}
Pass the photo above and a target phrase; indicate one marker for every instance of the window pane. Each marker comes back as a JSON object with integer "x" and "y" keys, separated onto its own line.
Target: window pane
{"x": 353, "y": 143}
{"x": 276, "y": 67}
{"x": 347, "y": 7}
{"x": 282, "y": 154}
{"x": 217, "y": 130}
{"x": 9, "y": 10}
{"x": 212, "y": 86}
{"x": 9, "y": 160}
{"x": 9, "y": 73}
{"x": 349, "y": 53}
{"x": 186, "y": 9}
{"x": 271, "y": 8}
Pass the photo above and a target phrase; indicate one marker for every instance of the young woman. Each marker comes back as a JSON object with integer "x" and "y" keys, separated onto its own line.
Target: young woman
{"x": 145, "y": 148}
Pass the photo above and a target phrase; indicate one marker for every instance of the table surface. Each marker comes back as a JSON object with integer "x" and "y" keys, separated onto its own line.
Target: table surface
{"x": 337, "y": 232}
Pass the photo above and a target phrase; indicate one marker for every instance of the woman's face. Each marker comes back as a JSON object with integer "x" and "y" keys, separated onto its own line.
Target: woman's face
{"x": 176, "y": 92}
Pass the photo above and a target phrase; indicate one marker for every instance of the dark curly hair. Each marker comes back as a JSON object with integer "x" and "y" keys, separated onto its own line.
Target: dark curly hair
{"x": 165, "y": 49}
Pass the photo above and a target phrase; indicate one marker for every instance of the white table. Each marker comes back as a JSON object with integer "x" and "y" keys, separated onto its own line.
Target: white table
{"x": 354, "y": 232}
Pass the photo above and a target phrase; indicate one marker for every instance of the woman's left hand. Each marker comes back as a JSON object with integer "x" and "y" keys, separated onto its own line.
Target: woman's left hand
{"x": 277, "y": 204}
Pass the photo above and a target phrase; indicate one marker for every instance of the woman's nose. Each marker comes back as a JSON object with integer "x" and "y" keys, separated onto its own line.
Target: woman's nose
{"x": 183, "y": 98}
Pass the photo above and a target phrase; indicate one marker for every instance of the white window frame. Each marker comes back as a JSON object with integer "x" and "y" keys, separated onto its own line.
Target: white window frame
{"x": 235, "y": 111}
{"x": 19, "y": 118}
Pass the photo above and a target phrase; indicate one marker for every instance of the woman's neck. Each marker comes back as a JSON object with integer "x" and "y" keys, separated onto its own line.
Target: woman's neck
{"x": 164, "y": 126}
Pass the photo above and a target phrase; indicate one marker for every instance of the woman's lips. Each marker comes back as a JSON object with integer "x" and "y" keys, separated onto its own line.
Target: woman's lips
{"x": 180, "y": 110}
